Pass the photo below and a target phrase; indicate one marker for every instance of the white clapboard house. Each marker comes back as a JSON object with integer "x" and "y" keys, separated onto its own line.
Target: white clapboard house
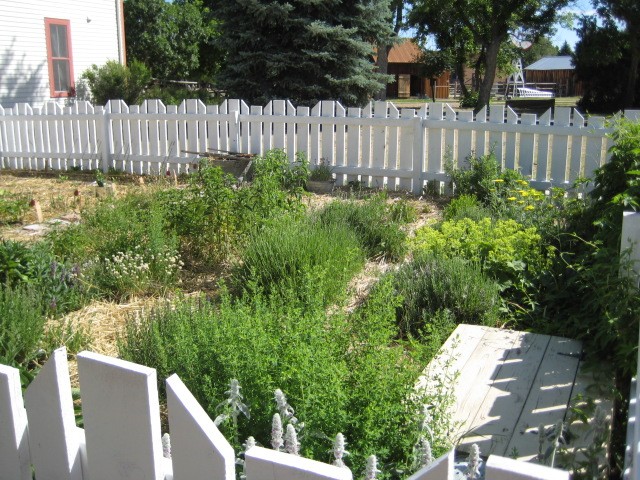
{"x": 45, "y": 45}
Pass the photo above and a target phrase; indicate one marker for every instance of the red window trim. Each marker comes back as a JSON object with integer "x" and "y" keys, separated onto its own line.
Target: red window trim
{"x": 47, "y": 30}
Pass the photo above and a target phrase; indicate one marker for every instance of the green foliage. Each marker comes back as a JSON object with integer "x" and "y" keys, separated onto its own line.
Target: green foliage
{"x": 322, "y": 173}
{"x": 21, "y": 327}
{"x": 340, "y": 376}
{"x": 172, "y": 94}
{"x": 174, "y": 39}
{"x": 470, "y": 100}
{"x": 602, "y": 63}
{"x": 478, "y": 178}
{"x": 504, "y": 248}
{"x": 12, "y": 207}
{"x": 113, "y": 81}
{"x": 290, "y": 252}
{"x": 313, "y": 51}
{"x": 468, "y": 27}
{"x": 212, "y": 215}
{"x": 542, "y": 47}
{"x": 466, "y": 206}
{"x": 439, "y": 292}
{"x": 376, "y": 224}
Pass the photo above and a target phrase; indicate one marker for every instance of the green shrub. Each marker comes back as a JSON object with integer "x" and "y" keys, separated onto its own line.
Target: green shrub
{"x": 289, "y": 252}
{"x": 114, "y": 81}
{"x": 470, "y": 100}
{"x": 504, "y": 248}
{"x": 21, "y": 327}
{"x": 339, "y": 375}
{"x": 373, "y": 222}
{"x": 447, "y": 290}
{"x": 12, "y": 207}
{"x": 466, "y": 206}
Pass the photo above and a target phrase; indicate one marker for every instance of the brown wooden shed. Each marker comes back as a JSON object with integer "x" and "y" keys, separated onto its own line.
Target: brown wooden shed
{"x": 557, "y": 70}
{"x": 409, "y": 82}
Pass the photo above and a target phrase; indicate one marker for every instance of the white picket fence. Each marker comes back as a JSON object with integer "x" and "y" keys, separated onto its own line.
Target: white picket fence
{"x": 122, "y": 435}
{"x": 379, "y": 145}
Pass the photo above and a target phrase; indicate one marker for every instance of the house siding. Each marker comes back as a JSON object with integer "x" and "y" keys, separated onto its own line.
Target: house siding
{"x": 24, "y": 72}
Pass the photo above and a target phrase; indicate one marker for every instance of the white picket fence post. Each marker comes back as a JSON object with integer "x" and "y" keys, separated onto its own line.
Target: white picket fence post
{"x": 377, "y": 145}
{"x": 122, "y": 438}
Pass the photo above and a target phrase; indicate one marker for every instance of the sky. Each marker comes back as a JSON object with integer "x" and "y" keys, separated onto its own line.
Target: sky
{"x": 577, "y": 8}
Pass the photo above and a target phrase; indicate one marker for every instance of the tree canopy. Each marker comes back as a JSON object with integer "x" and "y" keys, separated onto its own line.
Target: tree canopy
{"x": 302, "y": 50}
{"x": 542, "y": 47}
{"x": 172, "y": 39}
{"x": 480, "y": 29}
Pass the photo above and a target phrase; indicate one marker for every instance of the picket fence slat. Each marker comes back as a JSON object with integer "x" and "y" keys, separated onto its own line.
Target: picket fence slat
{"x": 122, "y": 437}
{"x": 368, "y": 145}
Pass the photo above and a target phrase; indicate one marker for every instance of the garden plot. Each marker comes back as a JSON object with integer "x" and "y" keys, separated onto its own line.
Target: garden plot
{"x": 509, "y": 383}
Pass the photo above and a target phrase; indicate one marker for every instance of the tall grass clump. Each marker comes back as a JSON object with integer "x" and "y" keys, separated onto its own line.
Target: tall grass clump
{"x": 440, "y": 292}
{"x": 377, "y": 224}
{"x": 292, "y": 251}
{"x": 341, "y": 375}
{"x": 22, "y": 322}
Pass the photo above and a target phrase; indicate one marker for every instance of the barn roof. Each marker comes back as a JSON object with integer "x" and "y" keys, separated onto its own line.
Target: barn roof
{"x": 405, "y": 52}
{"x": 552, "y": 63}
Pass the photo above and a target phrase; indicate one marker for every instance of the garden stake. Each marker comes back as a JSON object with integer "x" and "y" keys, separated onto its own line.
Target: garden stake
{"x": 36, "y": 206}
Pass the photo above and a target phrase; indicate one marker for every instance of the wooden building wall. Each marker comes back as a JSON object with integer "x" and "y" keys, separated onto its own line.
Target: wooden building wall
{"x": 566, "y": 83}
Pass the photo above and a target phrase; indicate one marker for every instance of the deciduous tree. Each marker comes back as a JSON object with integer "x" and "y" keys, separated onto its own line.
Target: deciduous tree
{"x": 487, "y": 23}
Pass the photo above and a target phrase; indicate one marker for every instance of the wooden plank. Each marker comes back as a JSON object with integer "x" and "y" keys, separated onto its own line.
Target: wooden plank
{"x": 279, "y": 110}
{"x": 496, "y": 138}
{"x": 302, "y": 132}
{"x": 392, "y": 147}
{"x": 560, "y": 147}
{"x": 405, "y": 161}
{"x": 549, "y": 397}
{"x": 314, "y": 143}
{"x": 365, "y": 138}
{"x": 353, "y": 143}
{"x": 379, "y": 148}
{"x": 341, "y": 144}
{"x": 477, "y": 374}
{"x": 465, "y": 137}
{"x": 496, "y": 418}
{"x": 527, "y": 146}
{"x": 328, "y": 133}
{"x": 290, "y": 132}
{"x": 509, "y": 159}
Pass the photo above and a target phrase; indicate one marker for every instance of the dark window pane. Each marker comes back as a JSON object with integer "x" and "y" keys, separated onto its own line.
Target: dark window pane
{"x": 59, "y": 41}
{"x": 61, "y": 77}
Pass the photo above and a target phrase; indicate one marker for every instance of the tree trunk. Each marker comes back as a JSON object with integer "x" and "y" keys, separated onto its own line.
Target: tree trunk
{"x": 460, "y": 73}
{"x": 383, "y": 67}
{"x": 491, "y": 55}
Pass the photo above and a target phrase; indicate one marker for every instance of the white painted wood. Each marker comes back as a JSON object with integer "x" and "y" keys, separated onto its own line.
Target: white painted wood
{"x": 560, "y": 147}
{"x": 630, "y": 241}
{"x": 392, "y": 147}
{"x": 198, "y": 449}
{"x": 327, "y": 133}
{"x": 136, "y": 141}
{"x": 265, "y": 464}
{"x": 451, "y": 136}
{"x": 501, "y": 468}
{"x": 353, "y": 143}
{"x": 440, "y": 469}
{"x": 255, "y": 141}
{"x": 52, "y": 428}
{"x": 380, "y": 143}
{"x": 122, "y": 419}
{"x": 234, "y": 107}
{"x": 23, "y": 50}
{"x": 341, "y": 144}
{"x": 406, "y": 139}
{"x": 279, "y": 110}
{"x": 172, "y": 133}
{"x": 496, "y": 137}
{"x": 510, "y": 154}
{"x": 496, "y": 417}
{"x": 290, "y": 131}
{"x": 15, "y": 462}
{"x": 435, "y": 134}
{"x": 465, "y": 137}
{"x": 366, "y": 144}
{"x": 527, "y": 146}
{"x": 549, "y": 397}
{"x": 315, "y": 153}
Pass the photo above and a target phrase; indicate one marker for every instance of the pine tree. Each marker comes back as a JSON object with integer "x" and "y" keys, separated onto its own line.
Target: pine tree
{"x": 301, "y": 50}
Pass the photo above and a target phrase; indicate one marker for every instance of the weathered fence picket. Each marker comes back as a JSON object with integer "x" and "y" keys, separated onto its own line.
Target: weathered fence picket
{"x": 378, "y": 145}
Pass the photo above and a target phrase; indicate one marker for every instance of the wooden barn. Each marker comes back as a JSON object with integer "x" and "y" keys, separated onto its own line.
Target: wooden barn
{"x": 409, "y": 82}
{"x": 555, "y": 70}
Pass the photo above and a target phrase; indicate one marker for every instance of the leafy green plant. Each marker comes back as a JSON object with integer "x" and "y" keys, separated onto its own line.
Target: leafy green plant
{"x": 113, "y": 81}
{"x": 21, "y": 327}
{"x": 290, "y": 251}
{"x": 503, "y": 248}
{"x": 322, "y": 172}
{"x": 374, "y": 223}
{"x": 351, "y": 376}
{"x": 466, "y": 206}
{"x": 12, "y": 207}
{"x": 15, "y": 262}
{"x": 439, "y": 292}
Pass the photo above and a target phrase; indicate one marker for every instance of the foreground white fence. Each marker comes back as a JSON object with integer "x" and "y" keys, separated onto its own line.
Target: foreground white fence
{"x": 377, "y": 145}
{"x": 122, "y": 438}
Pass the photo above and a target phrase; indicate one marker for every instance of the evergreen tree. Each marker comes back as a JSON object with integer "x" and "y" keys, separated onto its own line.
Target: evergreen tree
{"x": 301, "y": 50}
{"x": 565, "y": 49}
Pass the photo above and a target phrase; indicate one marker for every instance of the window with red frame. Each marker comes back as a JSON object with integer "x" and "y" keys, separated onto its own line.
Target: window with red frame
{"x": 59, "y": 56}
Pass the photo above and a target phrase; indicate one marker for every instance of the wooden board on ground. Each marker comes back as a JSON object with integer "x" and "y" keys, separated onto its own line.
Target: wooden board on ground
{"x": 509, "y": 383}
